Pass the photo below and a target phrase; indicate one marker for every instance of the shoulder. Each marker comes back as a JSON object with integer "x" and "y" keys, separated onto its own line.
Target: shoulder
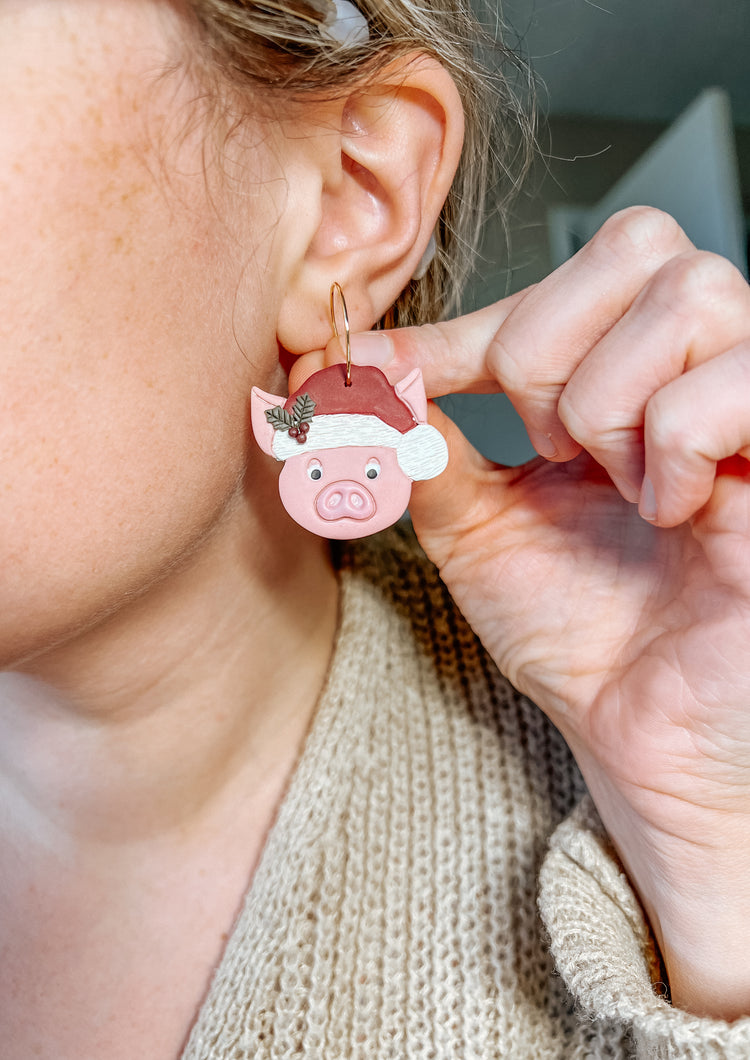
{"x": 497, "y": 727}
{"x": 406, "y": 595}
{"x": 393, "y": 558}
{"x": 393, "y": 565}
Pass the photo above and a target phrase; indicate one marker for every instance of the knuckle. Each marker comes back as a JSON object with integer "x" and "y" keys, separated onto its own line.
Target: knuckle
{"x": 640, "y": 231}
{"x": 666, "y": 431}
{"x": 582, "y": 424}
{"x": 524, "y": 377}
{"x": 695, "y": 278}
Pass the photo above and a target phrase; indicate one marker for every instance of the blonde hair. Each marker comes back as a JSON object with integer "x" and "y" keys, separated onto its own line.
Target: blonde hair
{"x": 282, "y": 48}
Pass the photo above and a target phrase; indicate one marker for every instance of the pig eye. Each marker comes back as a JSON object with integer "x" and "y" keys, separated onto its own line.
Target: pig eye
{"x": 372, "y": 468}
{"x": 315, "y": 470}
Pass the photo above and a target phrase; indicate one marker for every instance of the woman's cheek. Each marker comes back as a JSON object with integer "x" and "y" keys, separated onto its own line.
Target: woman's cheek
{"x": 123, "y": 387}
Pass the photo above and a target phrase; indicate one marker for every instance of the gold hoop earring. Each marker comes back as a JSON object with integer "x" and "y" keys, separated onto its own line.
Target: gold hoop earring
{"x": 351, "y": 451}
{"x": 336, "y": 288}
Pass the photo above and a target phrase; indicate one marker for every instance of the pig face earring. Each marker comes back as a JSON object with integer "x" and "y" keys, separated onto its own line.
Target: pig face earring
{"x": 351, "y": 443}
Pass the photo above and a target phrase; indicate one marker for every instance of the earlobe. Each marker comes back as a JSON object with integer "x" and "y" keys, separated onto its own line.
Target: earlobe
{"x": 380, "y": 197}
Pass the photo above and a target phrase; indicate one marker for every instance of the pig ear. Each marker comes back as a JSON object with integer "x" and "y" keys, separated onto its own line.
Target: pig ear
{"x": 262, "y": 429}
{"x": 411, "y": 390}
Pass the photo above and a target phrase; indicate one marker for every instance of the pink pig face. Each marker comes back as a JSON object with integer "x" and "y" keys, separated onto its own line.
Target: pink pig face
{"x": 345, "y": 492}
{"x": 351, "y": 450}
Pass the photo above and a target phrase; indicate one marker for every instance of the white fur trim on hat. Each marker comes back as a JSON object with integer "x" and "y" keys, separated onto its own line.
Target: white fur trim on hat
{"x": 335, "y": 430}
{"x": 422, "y": 452}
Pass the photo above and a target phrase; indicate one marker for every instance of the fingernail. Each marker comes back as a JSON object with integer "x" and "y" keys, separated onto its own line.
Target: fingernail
{"x": 543, "y": 444}
{"x": 647, "y": 503}
{"x": 372, "y": 347}
{"x": 626, "y": 488}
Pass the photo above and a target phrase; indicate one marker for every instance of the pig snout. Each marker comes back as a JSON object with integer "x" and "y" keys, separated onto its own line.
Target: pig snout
{"x": 345, "y": 500}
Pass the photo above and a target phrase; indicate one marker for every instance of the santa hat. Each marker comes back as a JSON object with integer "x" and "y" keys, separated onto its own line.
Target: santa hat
{"x": 366, "y": 413}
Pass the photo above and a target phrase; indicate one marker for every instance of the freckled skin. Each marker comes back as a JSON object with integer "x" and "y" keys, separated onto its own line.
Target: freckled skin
{"x": 390, "y": 490}
{"x": 123, "y": 387}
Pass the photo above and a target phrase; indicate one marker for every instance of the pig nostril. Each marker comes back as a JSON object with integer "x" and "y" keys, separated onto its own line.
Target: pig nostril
{"x": 345, "y": 500}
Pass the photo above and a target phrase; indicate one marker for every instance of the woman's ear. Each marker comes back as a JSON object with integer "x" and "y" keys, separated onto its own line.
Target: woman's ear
{"x": 383, "y": 178}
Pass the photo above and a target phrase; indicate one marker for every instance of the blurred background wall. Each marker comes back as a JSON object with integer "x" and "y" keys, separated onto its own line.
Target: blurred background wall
{"x": 612, "y": 78}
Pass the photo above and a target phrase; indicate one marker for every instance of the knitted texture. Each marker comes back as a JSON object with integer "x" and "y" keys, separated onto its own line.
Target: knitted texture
{"x": 393, "y": 913}
{"x": 609, "y": 960}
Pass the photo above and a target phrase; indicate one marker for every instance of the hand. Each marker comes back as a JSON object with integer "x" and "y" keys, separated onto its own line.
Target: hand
{"x": 630, "y": 366}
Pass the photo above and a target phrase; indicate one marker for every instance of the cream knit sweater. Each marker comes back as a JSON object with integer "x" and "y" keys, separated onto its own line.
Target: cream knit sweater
{"x": 394, "y": 912}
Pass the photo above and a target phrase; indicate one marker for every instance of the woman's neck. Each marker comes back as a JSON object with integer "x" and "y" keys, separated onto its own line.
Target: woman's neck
{"x": 197, "y": 692}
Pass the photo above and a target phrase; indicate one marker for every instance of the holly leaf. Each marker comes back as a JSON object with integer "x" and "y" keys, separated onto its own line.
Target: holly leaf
{"x": 303, "y": 409}
{"x": 279, "y": 418}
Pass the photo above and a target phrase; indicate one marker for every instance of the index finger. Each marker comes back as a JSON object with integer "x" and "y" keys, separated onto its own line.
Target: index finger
{"x": 451, "y": 354}
{"x": 530, "y": 344}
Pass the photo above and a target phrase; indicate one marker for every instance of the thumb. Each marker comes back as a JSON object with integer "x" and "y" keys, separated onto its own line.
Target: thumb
{"x": 304, "y": 366}
{"x": 452, "y": 355}
{"x": 468, "y": 495}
